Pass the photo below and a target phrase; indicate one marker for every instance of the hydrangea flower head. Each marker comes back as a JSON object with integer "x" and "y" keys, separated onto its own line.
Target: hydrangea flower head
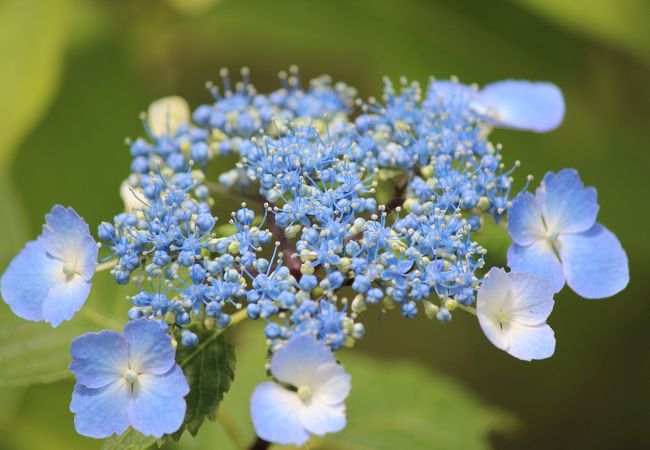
{"x": 555, "y": 235}
{"x": 127, "y": 380}
{"x": 512, "y": 309}
{"x": 49, "y": 280}
{"x": 314, "y": 406}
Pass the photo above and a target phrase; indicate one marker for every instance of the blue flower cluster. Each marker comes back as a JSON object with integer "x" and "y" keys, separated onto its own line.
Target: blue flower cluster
{"x": 316, "y": 177}
{"x": 344, "y": 210}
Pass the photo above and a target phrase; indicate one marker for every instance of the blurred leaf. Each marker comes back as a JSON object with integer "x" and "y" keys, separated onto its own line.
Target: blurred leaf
{"x": 14, "y": 224}
{"x": 400, "y": 404}
{"x": 494, "y": 238}
{"x": 11, "y": 400}
{"x": 393, "y": 405}
{"x": 32, "y": 41}
{"x": 621, "y": 22}
{"x": 33, "y": 352}
{"x": 130, "y": 440}
{"x": 209, "y": 368}
{"x": 192, "y": 6}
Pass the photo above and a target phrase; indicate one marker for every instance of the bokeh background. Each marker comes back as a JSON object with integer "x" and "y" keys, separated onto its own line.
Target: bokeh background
{"x": 76, "y": 73}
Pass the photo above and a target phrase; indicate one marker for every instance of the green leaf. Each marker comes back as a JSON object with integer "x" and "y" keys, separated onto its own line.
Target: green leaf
{"x": 209, "y": 368}
{"x": 33, "y": 352}
{"x": 14, "y": 224}
{"x": 401, "y": 404}
{"x": 623, "y": 23}
{"x": 32, "y": 43}
{"x": 130, "y": 440}
{"x": 394, "y": 404}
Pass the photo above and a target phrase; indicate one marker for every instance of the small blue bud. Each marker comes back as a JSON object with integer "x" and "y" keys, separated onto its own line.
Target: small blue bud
{"x": 189, "y": 339}
{"x": 106, "y": 232}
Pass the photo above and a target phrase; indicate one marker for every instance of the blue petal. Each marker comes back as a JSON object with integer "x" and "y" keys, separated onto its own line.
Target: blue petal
{"x": 150, "y": 347}
{"x": 158, "y": 404}
{"x": 101, "y": 412}
{"x": 539, "y": 259}
{"x": 298, "y": 359}
{"x": 64, "y": 300}
{"x": 567, "y": 206}
{"x": 99, "y": 358}
{"x": 66, "y": 236}
{"x": 528, "y": 343}
{"x": 520, "y": 104}
{"x": 525, "y": 223}
{"x": 28, "y": 279}
{"x": 449, "y": 93}
{"x": 594, "y": 262}
{"x": 275, "y": 412}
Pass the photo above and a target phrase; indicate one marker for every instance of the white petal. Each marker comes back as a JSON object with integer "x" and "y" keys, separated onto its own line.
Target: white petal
{"x": 275, "y": 412}
{"x": 493, "y": 330}
{"x": 493, "y": 292}
{"x": 528, "y": 343}
{"x": 167, "y": 114}
{"x": 532, "y": 298}
{"x": 297, "y": 361}
{"x": 330, "y": 384}
{"x": 320, "y": 418}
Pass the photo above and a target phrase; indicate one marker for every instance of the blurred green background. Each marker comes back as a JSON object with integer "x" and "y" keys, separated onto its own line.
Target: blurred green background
{"x": 76, "y": 73}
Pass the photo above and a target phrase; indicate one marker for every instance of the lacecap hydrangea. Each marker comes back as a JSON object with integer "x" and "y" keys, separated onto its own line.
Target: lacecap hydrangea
{"x": 345, "y": 206}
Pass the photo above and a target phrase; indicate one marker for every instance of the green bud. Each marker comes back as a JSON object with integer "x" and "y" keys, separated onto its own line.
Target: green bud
{"x": 451, "y": 304}
{"x": 210, "y": 323}
{"x": 359, "y": 304}
{"x": 389, "y": 303}
{"x": 430, "y": 310}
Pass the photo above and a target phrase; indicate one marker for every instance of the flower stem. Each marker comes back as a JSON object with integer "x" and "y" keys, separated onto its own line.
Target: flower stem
{"x": 232, "y": 430}
{"x": 99, "y": 319}
{"x": 469, "y": 309}
{"x": 105, "y": 265}
{"x": 260, "y": 444}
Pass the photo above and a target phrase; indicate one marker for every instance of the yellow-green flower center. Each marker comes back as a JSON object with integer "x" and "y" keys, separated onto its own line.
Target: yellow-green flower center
{"x": 130, "y": 376}
{"x": 304, "y": 392}
{"x": 503, "y": 317}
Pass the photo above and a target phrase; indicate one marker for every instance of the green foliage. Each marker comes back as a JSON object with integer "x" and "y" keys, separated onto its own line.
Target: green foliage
{"x": 495, "y": 239}
{"x": 32, "y": 38}
{"x": 130, "y": 440}
{"x": 210, "y": 369}
{"x": 33, "y": 353}
{"x": 400, "y": 404}
{"x": 393, "y": 405}
{"x": 623, "y": 22}
{"x": 14, "y": 229}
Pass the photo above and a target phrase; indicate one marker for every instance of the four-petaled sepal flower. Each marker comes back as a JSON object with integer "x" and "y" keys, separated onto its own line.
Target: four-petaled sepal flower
{"x": 512, "y": 309}
{"x": 315, "y": 405}
{"x": 49, "y": 280}
{"x": 127, "y": 380}
{"x": 555, "y": 235}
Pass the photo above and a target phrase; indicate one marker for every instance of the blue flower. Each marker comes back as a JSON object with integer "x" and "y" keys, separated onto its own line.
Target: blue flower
{"x": 521, "y": 104}
{"x": 50, "y": 278}
{"x": 512, "y": 309}
{"x": 555, "y": 235}
{"x": 127, "y": 380}
{"x": 518, "y": 104}
{"x": 315, "y": 406}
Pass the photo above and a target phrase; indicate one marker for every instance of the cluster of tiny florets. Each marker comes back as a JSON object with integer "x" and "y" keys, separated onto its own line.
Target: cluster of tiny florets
{"x": 343, "y": 212}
